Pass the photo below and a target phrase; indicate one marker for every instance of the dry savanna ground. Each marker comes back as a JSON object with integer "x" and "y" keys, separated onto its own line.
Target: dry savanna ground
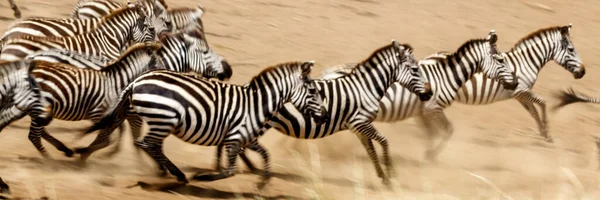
{"x": 495, "y": 153}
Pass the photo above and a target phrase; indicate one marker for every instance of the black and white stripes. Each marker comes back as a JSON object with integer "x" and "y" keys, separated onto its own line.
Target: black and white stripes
{"x": 107, "y": 41}
{"x": 353, "y": 100}
{"x": 206, "y": 112}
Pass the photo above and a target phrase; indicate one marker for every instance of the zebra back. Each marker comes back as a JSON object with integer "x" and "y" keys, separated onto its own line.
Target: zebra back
{"x": 73, "y": 58}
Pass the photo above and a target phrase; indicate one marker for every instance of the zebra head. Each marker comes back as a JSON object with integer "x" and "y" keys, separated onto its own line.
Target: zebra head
{"x": 566, "y": 55}
{"x": 308, "y": 99}
{"x": 408, "y": 73}
{"x": 160, "y": 17}
{"x": 494, "y": 65}
{"x": 143, "y": 30}
{"x": 202, "y": 59}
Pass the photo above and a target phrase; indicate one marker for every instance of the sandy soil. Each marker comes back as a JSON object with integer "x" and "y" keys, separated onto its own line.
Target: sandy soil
{"x": 498, "y": 142}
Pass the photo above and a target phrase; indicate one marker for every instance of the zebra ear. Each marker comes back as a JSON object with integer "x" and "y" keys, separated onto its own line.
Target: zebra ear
{"x": 199, "y": 12}
{"x": 565, "y": 30}
{"x": 307, "y": 67}
{"x": 492, "y": 37}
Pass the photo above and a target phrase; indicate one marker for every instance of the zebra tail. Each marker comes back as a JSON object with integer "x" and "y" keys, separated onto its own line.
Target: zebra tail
{"x": 571, "y": 96}
{"x": 116, "y": 113}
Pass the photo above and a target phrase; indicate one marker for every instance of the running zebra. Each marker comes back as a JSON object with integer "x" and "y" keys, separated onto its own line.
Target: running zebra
{"x": 74, "y": 94}
{"x": 526, "y": 58}
{"x": 107, "y": 41}
{"x": 353, "y": 99}
{"x": 65, "y": 27}
{"x": 90, "y": 9}
{"x": 205, "y": 112}
{"x": 445, "y": 72}
{"x": 183, "y": 52}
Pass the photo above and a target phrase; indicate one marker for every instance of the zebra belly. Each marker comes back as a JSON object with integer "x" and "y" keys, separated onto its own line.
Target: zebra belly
{"x": 398, "y": 104}
{"x": 481, "y": 90}
{"x": 291, "y": 122}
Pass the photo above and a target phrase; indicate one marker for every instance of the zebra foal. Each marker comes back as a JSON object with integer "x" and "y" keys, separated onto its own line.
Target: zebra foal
{"x": 108, "y": 40}
{"x": 206, "y": 112}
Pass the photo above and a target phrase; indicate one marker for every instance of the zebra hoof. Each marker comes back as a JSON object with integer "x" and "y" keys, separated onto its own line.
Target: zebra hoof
{"x": 182, "y": 180}
{"x": 69, "y": 153}
{"x": 261, "y": 185}
{"x": 549, "y": 140}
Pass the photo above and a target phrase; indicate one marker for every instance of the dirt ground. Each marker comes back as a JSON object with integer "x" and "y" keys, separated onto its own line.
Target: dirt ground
{"x": 495, "y": 153}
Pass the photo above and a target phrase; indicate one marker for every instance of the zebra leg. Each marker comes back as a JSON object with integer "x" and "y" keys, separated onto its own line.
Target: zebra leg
{"x": 233, "y": 150}
{"x": 57, "y": 144}
{"x": 102, "y": 140}
{"x": 368, "y": 145}
{"x": 218, "y": 166}
{"x": 255, "y": 146}
{"x": 35, "y": 136}
{"x": 527, "y": 99}
{"x": 154, "y": 149}
{"x": 117, "y": 142}
{"x": 434, "y": 120}
{"x": 366, "y": 129}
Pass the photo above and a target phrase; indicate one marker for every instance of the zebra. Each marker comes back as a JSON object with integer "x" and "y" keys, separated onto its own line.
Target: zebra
{"x": 183, "y": 52}
{"x": 210, "y": 113}
{"x": 107, "y": 41}
{"x": 352, "y": 101}
{"x": 527, "y": 58}
{"x": 16, "y": 11}
{"x": 90, "y": 9}
{"x": 181, "y": 18}
{"x": 73, "y": 94}
{"x": 445, "y": 72}
{"x": 65, "y": 27}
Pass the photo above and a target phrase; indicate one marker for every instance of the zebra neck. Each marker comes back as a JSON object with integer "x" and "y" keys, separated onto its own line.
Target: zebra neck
{"x": 527, "y": 61}
{"x": 173, "y": 55}
{"x": 264, "y": 104}
{"x": 121, "y": 74}
{"x": 373, "y": 81}
{"x": 116, "y": 30}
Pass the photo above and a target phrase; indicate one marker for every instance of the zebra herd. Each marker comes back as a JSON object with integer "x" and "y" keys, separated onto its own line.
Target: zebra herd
{"x": 144, "y": 62}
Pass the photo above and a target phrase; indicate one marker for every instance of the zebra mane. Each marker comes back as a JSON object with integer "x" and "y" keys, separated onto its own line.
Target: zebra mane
{"x": 181, "y": 10}
{"x": 287, "y": 66}
{"x": 195, "y": 32}
{"x": 375, "y": 53}
{"x": 119, "y": 12}
{"x": 133, "y": 48}
{"x": 535, "y": 34}
{"x": 442, "y": 56}
{"x": 36, "y": 38}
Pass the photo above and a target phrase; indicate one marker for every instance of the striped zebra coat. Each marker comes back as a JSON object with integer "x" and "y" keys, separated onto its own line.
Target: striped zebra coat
{"x": 107, "y": 41}
{"x": 353, "y": 101}
{"x": 19, "y": 93}
{"x": 206, "y": 112}
{"x": 443, "y": 72}
{"x": 185, "y": 51}
{"x": 182, "y": 52}
{"x": 74, "y": 94}
{"x": 181, "y": 18}
{"x": 156, "y": 9}
{"x": 527, "y": 58}
{"x": 65, "y": 27}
